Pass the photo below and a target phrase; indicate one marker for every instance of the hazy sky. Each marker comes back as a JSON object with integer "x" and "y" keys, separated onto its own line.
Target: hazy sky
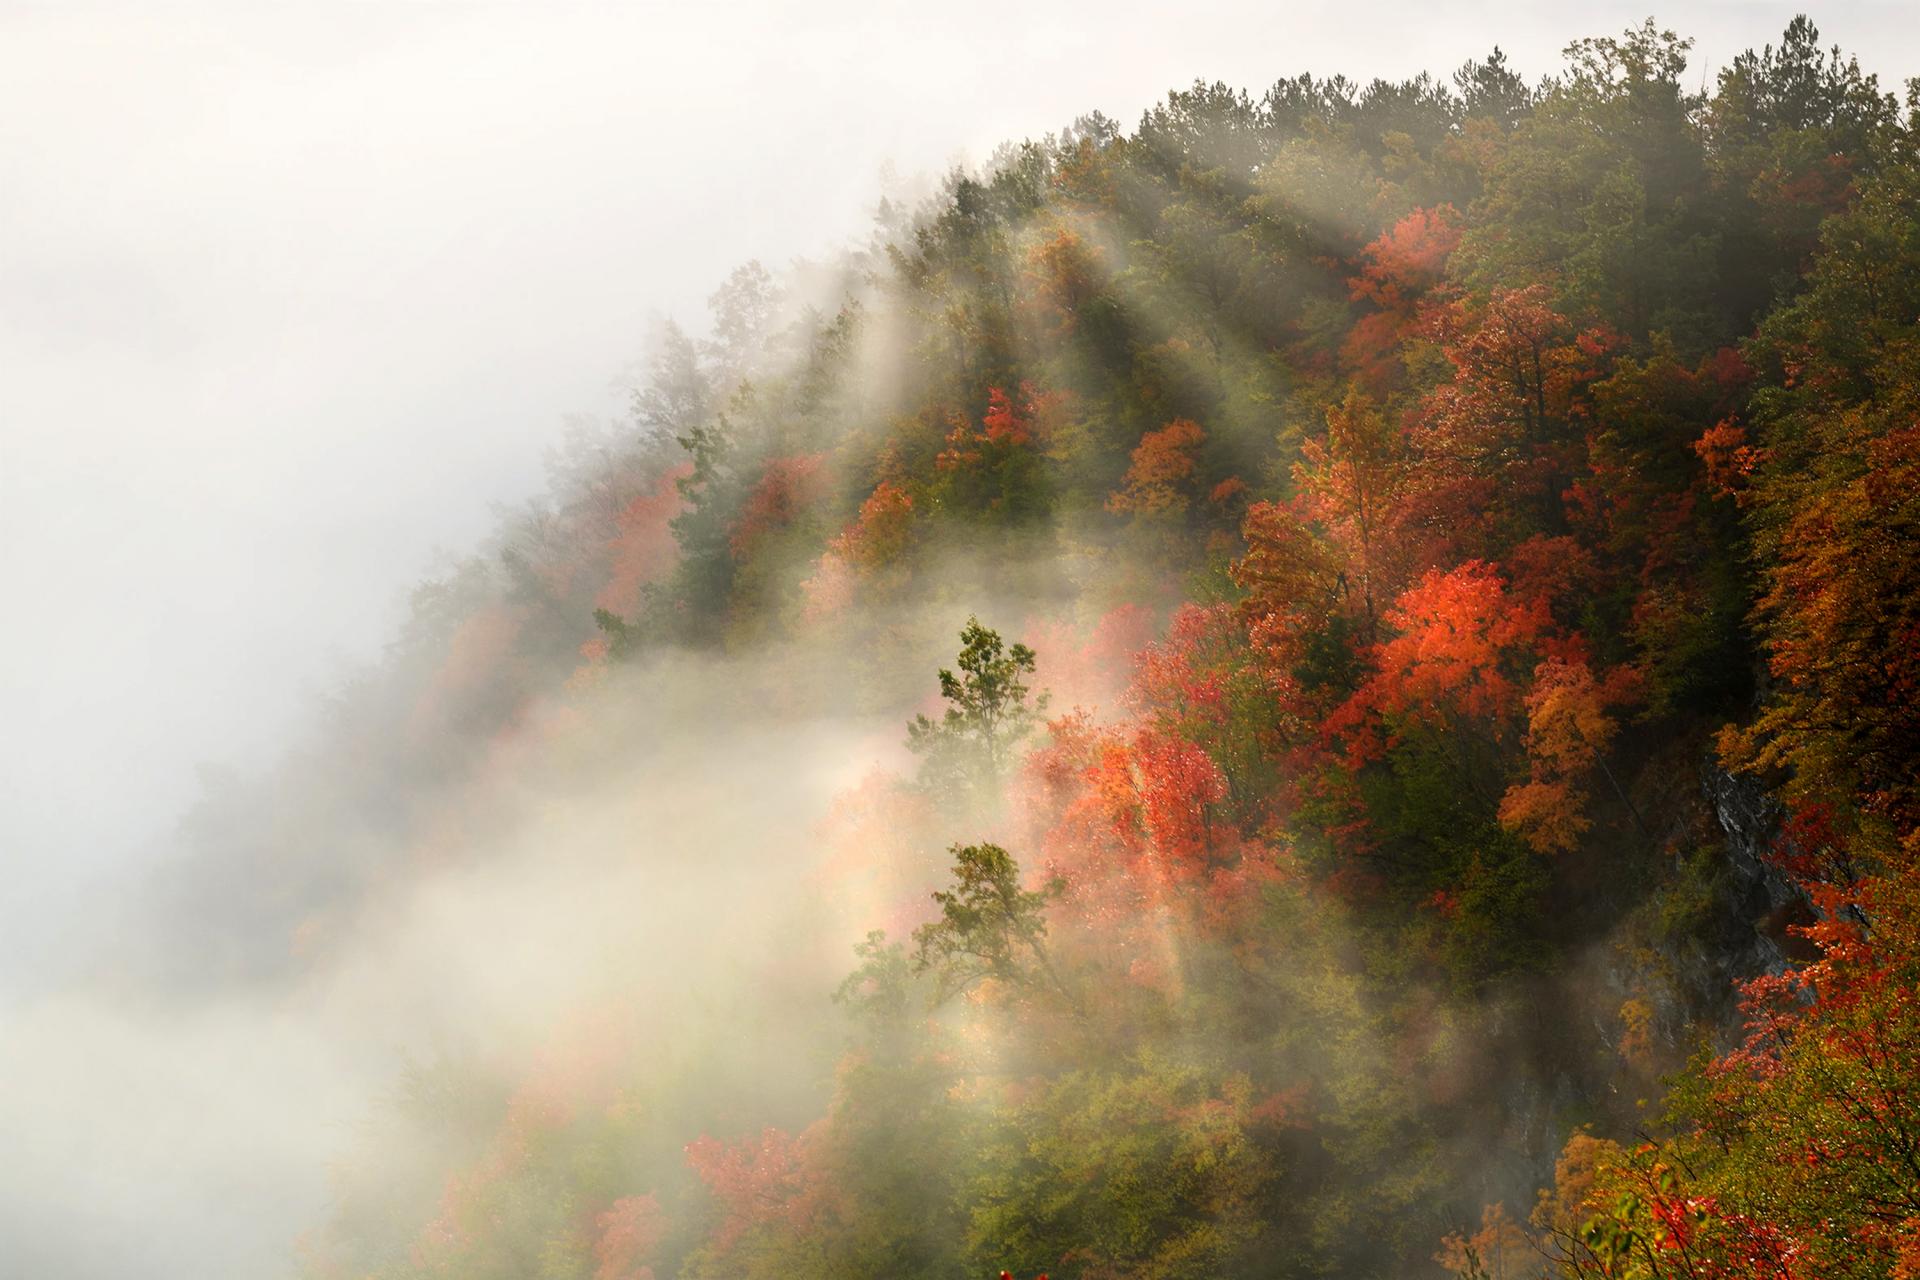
{"x": 290, "y": 293}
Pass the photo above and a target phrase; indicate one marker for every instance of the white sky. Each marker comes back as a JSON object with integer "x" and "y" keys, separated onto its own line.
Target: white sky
{"x": 290, "y": 293}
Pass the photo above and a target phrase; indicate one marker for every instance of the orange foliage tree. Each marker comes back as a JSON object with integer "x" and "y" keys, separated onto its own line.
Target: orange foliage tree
{"x": 1160, "y": 476}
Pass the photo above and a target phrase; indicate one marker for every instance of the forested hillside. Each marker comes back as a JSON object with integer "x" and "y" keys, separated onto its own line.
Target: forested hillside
{"x": 1367, "y": 639}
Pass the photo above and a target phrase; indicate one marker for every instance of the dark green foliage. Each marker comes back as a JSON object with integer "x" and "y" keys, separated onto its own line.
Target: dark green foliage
{"x": 989, "y": 927}
{"x": 1156, "y": 1171}
{"x": 988, "y": 715}
{"x": 623, "y": 637}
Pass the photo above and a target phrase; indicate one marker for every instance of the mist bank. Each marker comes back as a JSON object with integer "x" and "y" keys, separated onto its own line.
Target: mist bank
{"x": 1148, "y": 720}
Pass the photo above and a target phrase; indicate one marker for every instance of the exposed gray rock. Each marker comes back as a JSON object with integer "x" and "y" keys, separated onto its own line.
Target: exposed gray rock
{"x": 1762, "y": 894}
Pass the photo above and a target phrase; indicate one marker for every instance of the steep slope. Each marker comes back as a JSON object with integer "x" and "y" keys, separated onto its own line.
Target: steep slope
{"x": 1411, "y": 500}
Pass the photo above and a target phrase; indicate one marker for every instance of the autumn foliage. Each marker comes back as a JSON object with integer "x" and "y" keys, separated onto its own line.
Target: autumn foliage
{"x": 1437, "y": 690}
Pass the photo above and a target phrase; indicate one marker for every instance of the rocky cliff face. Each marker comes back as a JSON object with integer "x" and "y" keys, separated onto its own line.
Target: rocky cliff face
{"x": 1565, "y": 1051}
{"x": 1741, "y": 922}
{"x": 1760, "y": 894}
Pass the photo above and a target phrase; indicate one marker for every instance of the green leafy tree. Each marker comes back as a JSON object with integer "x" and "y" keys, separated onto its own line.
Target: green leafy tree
{"x": 989, "y": 927}
{"x": 677, "y": 395}
{"x": 988, "y": 714}
{"x": 1156, "y": 1173}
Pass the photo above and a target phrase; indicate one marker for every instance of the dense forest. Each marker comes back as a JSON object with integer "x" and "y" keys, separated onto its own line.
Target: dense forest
{"x": 1366, "y": 640}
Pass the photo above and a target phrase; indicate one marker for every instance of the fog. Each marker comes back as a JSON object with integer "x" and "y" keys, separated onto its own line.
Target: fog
{"x": 195, "y": 1136}
{"x": 288, "y": 298}
{"x": 291, "y": 298}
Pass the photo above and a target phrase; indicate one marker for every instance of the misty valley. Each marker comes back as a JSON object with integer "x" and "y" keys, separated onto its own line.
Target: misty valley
{"x": 1324, "y": 685}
